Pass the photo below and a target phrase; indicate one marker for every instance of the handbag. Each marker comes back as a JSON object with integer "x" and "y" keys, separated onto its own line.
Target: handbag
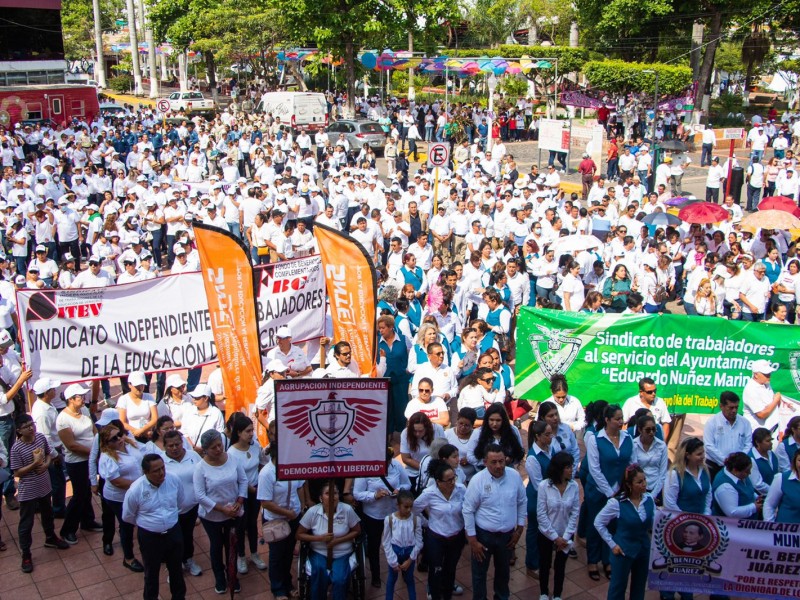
{"x": 278, "y": 529}
{"x": 263, "y": 250}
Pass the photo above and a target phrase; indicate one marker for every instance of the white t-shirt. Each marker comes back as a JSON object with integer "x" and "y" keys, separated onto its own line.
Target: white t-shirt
{"x": 138, "y": 414}
{"x": 82, "y": 430}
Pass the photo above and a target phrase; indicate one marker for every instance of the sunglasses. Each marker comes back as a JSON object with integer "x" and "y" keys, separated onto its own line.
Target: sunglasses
{"x": 115, "y": 438}
{"x": 488, "y": 379}
{"x": 422, "y": 391}
{"x": 653, "y": 391}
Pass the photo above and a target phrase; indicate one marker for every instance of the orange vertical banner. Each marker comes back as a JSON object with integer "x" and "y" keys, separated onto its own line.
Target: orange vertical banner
{"x": 351, "y": 282}
{"x": 228, "y": 280}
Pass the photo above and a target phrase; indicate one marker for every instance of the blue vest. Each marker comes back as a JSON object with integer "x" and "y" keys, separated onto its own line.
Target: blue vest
{"x": 415, "y": 277}
{"x": 492, "y": 320}
{"x": 383, "y": 304}
{"x": 633, "y": 534}
{"x": 692, "y": 498}
{"x": 747, "y": 494}
{"x": 533, "y": 491}
{"x": 767, "y": 467}
{"x": 612, "y": 464}
{"x": 583, "y": 471}
{"x": 790, "y": 448}
{"x": 789, "y": 509}
{"x": 414, "y": 314}
{"x": 422, "y": 356}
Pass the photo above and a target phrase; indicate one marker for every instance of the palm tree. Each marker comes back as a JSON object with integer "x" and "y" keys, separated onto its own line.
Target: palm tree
{"x": 755, "y": 48}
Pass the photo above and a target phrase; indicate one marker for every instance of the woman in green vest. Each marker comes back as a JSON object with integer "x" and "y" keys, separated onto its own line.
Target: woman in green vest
{"x": 734, "y": 494}
{"x": 783, "y": 500}
{"x": 630, "y": 514}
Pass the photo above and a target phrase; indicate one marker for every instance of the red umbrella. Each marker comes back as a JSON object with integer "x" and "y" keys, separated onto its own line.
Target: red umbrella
{"x": 703, "y": 213}
{"x": 783, "y": 203}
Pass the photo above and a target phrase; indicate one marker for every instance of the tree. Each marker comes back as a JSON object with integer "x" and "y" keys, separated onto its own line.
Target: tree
{"x": 616, "y": 76}
{"x": 755, "y": 49}
{"x": 76, "y": 15}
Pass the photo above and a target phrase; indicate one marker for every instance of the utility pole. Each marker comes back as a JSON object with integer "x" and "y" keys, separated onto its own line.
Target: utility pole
{"x": 99, "y": 63}
{"x": 411, "y": 91}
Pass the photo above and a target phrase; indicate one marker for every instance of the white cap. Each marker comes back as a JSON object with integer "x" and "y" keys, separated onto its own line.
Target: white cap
{"x": 275, "y": 365}
{"x": 284, "y": 332}
{"x": 108, "y": 415}
{"x": 136, "y": 378}
{"x": 202, "y": 389}
{"x": 175, "y": 381}
{"x": 650, "y": 261}
{"x": 43, "y": 384}
{"x": 75, "y": 390}
{"x": 41, "y": 248}
{"x": 764, "y": 366}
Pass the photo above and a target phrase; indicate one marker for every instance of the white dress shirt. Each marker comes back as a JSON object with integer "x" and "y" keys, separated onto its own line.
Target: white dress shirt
{"x": 365, "y": 489}
{"x": 403, "y": 533}
{"x": 721, "y": 438}
{"x": 154, "y": 508}
{"x": 728, "y": 499}
{"x": 593, "y": 454}
{"x": 653, "y": 462}
{"x": 184, "y": 471}
{"x": 282, "y": 493}
{"x": 489, "y": 502}
{"x": 557, "y": 513}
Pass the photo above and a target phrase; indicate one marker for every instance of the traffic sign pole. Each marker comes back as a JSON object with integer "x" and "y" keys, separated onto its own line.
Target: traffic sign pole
{"x": 732, "y": 135}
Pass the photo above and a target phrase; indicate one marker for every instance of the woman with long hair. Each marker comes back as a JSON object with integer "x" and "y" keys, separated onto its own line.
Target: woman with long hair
{"x": 247, "y": 451}
{"x": 593, "y": 303}
{"x": 617, "y": 288}
{"x": 120, "y": 466}
{"x": 557, "y": 507}
{"x": 632, "y": 511}
{"x": 564, "y": 439}
{"x": 650, "y": 453}
{"x": 415, "y": 443}
{"x": 478, "y": 392}
{"x": 609, "y": 452}
{"x": 540, "y": 453}
{"x": 706, "y": 302}
{"x": 497, "y": 429}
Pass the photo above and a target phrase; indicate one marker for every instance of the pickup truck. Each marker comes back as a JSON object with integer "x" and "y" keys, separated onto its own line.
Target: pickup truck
{"x": 190, "y": 102}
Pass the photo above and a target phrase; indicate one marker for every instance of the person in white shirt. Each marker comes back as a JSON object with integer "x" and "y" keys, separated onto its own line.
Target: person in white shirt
{"x": 152, "y": 504}
{"x": 755, "y": 293}
{"x": 714, "y": 180}
{"x": 761, "y": 402}
{"x": 755, "y": 183}
{"x": 92, "y": 277}
{"x": 709, "y": 143}
{"x": 646, "y": 398}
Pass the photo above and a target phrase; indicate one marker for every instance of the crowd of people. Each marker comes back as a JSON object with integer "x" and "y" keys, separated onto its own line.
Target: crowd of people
{"x": 457, "y": 257}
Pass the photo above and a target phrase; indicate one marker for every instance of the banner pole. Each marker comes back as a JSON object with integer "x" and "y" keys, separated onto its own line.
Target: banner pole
{"x": 331, "y": 512}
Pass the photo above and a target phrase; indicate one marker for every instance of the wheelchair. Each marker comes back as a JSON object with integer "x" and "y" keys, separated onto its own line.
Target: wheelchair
{"x": 358, "y": 577}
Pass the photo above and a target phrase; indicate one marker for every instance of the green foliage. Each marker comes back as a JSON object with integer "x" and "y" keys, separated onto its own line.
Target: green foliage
{"x": 400, "y": 82}
{"x": 728, "y": 103}
{"x": 729, "y": 58}
{"x": 790, "y": 66}
{"x": 513, "y": 86}
{"x": 121, "y": 83}
{"x": 616, "y": 76}
{"x": 77, "y": 23}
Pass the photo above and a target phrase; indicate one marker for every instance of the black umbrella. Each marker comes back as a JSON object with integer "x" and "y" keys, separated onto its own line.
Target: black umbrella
{"x": 673, "y": 145}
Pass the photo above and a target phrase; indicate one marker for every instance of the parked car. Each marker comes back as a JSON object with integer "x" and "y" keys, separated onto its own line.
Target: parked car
{"x": 356, "y": 132}
{"x": 190, "y": 102}
{"x": 112, "y": 109}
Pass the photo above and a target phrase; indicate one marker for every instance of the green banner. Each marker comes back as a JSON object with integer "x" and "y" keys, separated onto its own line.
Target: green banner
{"x": 691, "y": 359}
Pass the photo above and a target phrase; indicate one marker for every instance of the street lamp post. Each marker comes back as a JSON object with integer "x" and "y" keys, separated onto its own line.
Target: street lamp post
{"x": 491, "y": 82}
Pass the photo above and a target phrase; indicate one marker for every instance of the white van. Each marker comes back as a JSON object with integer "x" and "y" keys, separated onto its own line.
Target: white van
{"x": 306, "y": 111}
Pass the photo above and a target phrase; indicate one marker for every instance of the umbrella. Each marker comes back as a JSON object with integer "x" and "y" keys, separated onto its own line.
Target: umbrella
{"x": 674, "y": 145}
{"x": 661, "y": 219}
{"x": 703, "y": 213}
{"x": 681, "y": 201}
{"x": 771, "y": 219}
{"x": 783, "y": 203}
{"x": 573, "y": 243}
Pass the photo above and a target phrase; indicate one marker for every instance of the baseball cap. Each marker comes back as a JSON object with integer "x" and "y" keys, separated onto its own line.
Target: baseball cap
{"x": 137, "y": 378}
{"x": 41, "y": 248}
{"x": 43, "y": 384}
{"x": 75, "y": 390}
{"x": 175, "y": 381}
{"x": 284, "y": 332}
{"x": 108, "y": 415}
{"x": 764, "y": 366}
{"x": 202, "y": 389}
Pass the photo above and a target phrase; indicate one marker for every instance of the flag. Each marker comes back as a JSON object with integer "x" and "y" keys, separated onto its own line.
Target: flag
{"x": 228, "y": 281}
{"x": 351, "y": 282}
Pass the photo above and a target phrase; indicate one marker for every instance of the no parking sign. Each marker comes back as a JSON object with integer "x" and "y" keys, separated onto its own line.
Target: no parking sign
{"x": 438, "y": 155}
